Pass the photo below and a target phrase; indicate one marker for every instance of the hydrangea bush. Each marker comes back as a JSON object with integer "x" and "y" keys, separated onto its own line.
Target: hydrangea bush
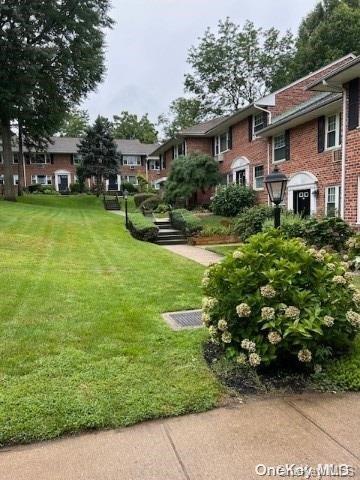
{"x": 275, "y": 300}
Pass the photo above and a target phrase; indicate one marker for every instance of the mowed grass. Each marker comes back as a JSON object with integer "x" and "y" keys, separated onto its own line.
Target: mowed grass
{"x": 83, "y": 345}
{"x": 223, "y": 249}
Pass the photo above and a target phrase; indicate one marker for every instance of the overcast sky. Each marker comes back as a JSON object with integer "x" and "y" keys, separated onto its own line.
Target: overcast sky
{"x": 147, "y": 49}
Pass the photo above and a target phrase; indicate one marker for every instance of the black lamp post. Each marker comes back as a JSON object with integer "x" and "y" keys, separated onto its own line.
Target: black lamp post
{"x": 276, "y": 186}
{"x": 126, "y": 194}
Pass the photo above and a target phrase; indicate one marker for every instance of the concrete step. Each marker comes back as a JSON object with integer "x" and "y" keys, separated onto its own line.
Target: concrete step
{"x": 171, "y": 242}
{"x": 169, "y": 231}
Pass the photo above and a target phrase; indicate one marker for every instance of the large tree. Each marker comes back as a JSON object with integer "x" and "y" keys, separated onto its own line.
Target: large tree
{"x": 130, "y": 126}
{"x": 235, "y": 65}
{"x": 51, "y": 55}
{"x": 100, "y": 157}
{"x": 183, "y": 113}
{"x": 189, "y": 174}
{"x": 330, "y": 31}
{"x": 75, "y": 123}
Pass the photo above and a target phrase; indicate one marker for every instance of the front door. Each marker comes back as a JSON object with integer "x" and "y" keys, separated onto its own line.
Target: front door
{"x": 63, "y": 183}
{"x": 302, "y": 203}
{"x": 113, "y": 182}
{"x": 240, "y": 178}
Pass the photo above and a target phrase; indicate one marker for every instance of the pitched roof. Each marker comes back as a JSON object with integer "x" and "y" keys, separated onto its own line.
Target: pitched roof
{"x": 204, "y": 127}
{"x": 302, "y": 113}
{"x": 338, "y": 77}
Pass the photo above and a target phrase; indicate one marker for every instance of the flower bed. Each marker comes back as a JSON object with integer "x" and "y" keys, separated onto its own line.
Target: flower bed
{"x": 214, "y": 240}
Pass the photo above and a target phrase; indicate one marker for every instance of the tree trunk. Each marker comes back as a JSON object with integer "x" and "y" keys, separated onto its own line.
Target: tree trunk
{"x": 98, "y": 185}
{"x": 9, "y": 190}
{"x": 21, "y": 172}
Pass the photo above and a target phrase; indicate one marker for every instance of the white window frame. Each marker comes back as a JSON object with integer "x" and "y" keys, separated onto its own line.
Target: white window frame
{"x": 337, "y": 131}
{"x": 16, "y": 179}
{"x": 132, "y": 160}
{"x": 34, "y": 156}
{"x": 177, "y": 154}
{"x": 125, "y": 179}
{"x": 337, "y": 199}
{"x": 278, "y": 148}
{"x": 255, "y": 178}
{"x": 13, "y": 159}
{"x": 35, "y": 179}
{"x": 218, "y": 150}
{"x": 154, "y": 165}
{"x": 77, "y": 158}
{"x": 2, "y": 179}
{"x": 255, "y": 124}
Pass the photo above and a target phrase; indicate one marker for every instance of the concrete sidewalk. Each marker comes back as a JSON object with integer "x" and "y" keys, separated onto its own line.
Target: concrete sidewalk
{"x": 197, "y": 254}
{"x": 224, "y": 444}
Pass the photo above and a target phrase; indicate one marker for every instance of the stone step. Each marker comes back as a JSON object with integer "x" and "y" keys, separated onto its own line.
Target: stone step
{"x": 171, "y": 242}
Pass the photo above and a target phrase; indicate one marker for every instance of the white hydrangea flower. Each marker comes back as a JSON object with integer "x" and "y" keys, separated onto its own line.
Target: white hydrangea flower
{"x": 274, "y": 338}
{"x": 212, "y": 331}
{"x": 353, "y": 287}
{"x": 356, "y": 298}
{"x": 248, "y": 345}
{"x": 312, "y": 251}
{"x": 226, "y": 337}
{"x": 318, "y": 368}
{"x": 254, "y": 359}
{"x": 222, "y": 325}
{"x": 331, "y": 266}
{"x": 267, "y": 313}
{"x": 319, "y": 256}
{"x": 209, "y": 303}
{"x": 205, "y": 281}
{"x": 305, "y": 356}
{"x": 243, "y": 310}
{"x": 348, "y": 276}
{"x": 238, "y": 254}
{"x": 339, "y": 280}
{"x": 292, "y": 312}
{"x": 205, "y": 319}
{"x": 345, "y": 258}
{"x": 268, "y": 291}
{"x": 241, "y": 359}
{"x": 328, "y": 321}
{"x": 353, "y": 318}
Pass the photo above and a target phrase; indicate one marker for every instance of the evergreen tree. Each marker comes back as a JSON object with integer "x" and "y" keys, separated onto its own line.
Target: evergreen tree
{"x": 100, "y": 158}
{"x": 51, "y": 55}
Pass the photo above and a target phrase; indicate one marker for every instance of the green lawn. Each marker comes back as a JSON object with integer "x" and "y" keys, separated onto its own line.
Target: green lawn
{"x": 83, "y": 345}
{"x": 223, "y": 249}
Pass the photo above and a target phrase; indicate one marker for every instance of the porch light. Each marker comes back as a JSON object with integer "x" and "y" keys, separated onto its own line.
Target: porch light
{"x": 276, "y": 183}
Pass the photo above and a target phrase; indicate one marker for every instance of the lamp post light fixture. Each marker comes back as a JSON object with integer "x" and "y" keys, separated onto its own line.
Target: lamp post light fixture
{"x": 276, "y": 183}
{"x": 126, "y": 194}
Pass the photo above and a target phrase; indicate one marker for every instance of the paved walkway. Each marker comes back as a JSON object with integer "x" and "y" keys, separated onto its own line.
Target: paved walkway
{"x": 224, "y": 444}
{"x": 197, "y": 254}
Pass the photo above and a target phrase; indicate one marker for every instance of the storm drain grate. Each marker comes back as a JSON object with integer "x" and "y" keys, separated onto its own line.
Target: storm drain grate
{"x": 185, "y": 319}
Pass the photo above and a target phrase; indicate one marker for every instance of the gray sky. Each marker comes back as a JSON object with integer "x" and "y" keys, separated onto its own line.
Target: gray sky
{"x": 147, "y": 49}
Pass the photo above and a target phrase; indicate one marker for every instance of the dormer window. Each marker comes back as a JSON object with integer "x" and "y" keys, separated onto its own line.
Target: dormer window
{"x": 221, "y": 143}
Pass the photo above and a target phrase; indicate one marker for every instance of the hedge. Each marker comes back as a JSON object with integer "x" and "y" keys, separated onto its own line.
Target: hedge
{"x": 185, "y": 221}
{"x": 139, "y": 198}
{"x": 142, "y": 228}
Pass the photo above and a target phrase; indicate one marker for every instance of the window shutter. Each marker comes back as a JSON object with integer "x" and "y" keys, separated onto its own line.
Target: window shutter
{"x": 321, "y": 134}
{"x": 250, "y": 120}
{"x": 173, "y": 152}
{"x": 121, "y": 159}
{"x": 164, "y": 161}
{"x": 52, "y": 158}
{"x": 213, "y": 146}
{"x": 71, "y": 159}
{"x": 27, "y": 159}
{"x": 287, "y": 145}
{"x": 354, "y": 104}
{"x": 230, "y": 143}
{"x": 265, "y": 119}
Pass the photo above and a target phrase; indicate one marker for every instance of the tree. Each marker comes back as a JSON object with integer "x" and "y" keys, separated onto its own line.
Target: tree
{"x": 51, "y": 55}
{"x": 183, "y": 113}
{"x": 189, "y": 174}
{"x": 328, "y": 32}
{"x": 75, "y": 123}
{"x": 99, "y": 153}
{"x": 235, "y": 66}
{"x": 128, "y": 125}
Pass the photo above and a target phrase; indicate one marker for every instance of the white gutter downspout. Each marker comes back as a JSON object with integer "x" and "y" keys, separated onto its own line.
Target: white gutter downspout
{"x": 268, "y": 143}
{"x": 343, "y": 154}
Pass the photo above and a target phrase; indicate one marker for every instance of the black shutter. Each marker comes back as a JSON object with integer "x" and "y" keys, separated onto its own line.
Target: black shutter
{"x": 164, "y": 161}
{"x": 52, "y": 158}
{"x": 321, "y": 134}
{"x": 121, "y": 159}
{"x": 287, "y": 145}
{"x": 213, "y": 146}
{"x": 173, "y": 152}
{"x": 250, "y": 120}
{"x": 354, "y": 104}
{"x": 27, "y": 158}
{"x": 230, "y": 143}
{"x": 265, "y": 119}
{"x": 71, "y": 159}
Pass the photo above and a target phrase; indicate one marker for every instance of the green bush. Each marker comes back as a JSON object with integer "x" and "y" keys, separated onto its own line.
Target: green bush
{"x": 129, "y": 187}
{"x": 213, "y": 230}
{"x": 139, "y": 198}
{"x": 150, "y": 204}
{"x": 276, "y": 301}
{"x": 232, "y": 199}
{"x": 185, "y": 221}
{"x": 162, "y": 208}
{"x": 292, "y": 225}
{"x": 251, "y": 221}
{"x": 77, "y": 188}
{"x": 142, "y": 228}
{"x": 44, "y": 189}
{"x": 331, "y": 231}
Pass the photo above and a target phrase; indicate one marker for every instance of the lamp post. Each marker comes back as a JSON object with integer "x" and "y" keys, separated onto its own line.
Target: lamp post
{"x": 275, "y": 184}
{"x": 126, "y": 194}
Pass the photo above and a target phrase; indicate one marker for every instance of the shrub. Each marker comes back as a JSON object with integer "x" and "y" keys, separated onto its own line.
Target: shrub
{"x": 231, "y": 200}
{"x": 139, "y": 198}
{"x": 50, "y": 191}
{"x": 185, "y": 221}
{"x": 213, "y": 230}
{"x": 251, "y": 221}
{"x": 275, "y": 301}
{"x": 35, "y": 188}
{"x": 76, "y": 188}
{"x": 130, "y": 187}
{"x": 292, "y": 225}
{"x": 142, "y": 228}
{"x": 162, "y": 208}
{"x": 353, "y": 245}
{"x": 151, "y": 203}
{"x": 331, "y": 231}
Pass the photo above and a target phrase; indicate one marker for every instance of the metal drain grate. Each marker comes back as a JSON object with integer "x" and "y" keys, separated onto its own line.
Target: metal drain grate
{"x": 185, "y": 319}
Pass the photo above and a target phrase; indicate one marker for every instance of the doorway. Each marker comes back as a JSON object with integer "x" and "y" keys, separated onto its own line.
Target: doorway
{"x": 63, "y": 182}
{"x": 302, "y": 202}
{"x": 240, "y": 177}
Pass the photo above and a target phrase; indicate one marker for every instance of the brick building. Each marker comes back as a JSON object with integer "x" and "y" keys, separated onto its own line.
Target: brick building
{"x": 310, "y": 129}
{"x": 57, "y": 165}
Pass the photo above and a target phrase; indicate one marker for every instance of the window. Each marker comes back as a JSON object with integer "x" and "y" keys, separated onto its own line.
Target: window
{"x": 15, "y": 157}
{"x": 332, "y": 201}
{"x": 41, "y": 180}
{"x": 258, "y": 122}
{"x": 129, "y": 179}
{"x": 36, "y": 158}
{"x": 333, "y": 131}
{"x": 154, "y": 165}
{"x": 1, "y": 179}
{"x": 259, "y": 177}
{"x": 221, "y": 143}
{"x": 132, "y": 160}
{"x": 179, "y": 150}
{"x": 16, "y": 179}
{"x": 279, "y": 148}
{"x": 77, "y": 159}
